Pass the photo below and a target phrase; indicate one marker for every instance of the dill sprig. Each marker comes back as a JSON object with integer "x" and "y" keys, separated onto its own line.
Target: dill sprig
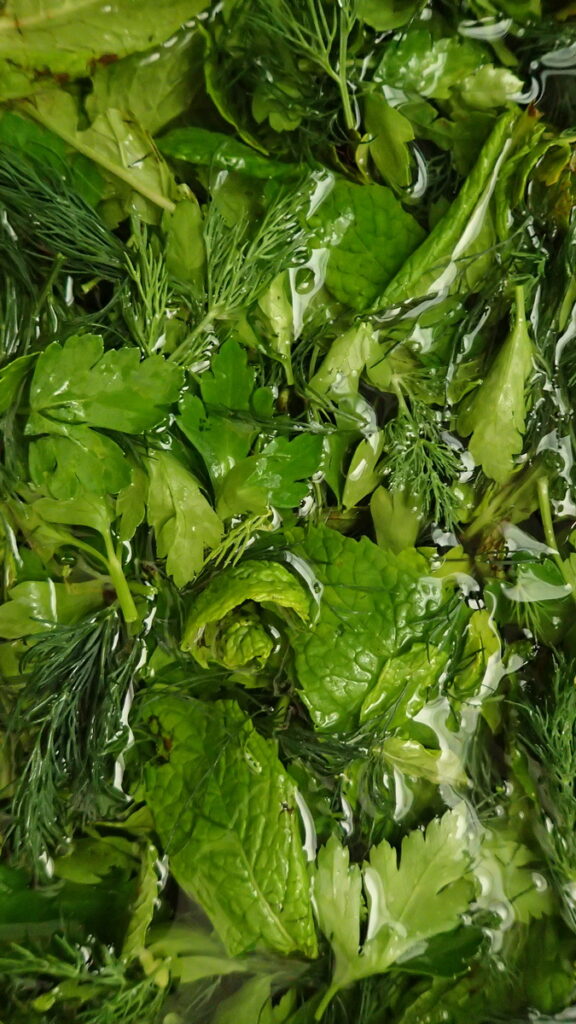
{"x": 551, "y": 739}
{"x": 315, "y": 30}
{"x": 151, "y": 294}
{"x": 53, "y": 220}
{"x": 419, "y": 461}
{"x": 241, "y": 264}
{"x": 88, "y": 983}
{"x": 67, "y": 720}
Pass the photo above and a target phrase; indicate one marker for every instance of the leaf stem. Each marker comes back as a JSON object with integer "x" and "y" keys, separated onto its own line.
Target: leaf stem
{"x": 120, "y": 582}
{"x": 550, "y": 536}
{"x": 325, "y": 1001}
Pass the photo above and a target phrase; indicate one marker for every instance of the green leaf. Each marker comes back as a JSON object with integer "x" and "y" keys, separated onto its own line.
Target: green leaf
{"x": 490, "y": 87}
{"x": 82, "y": 462}
{"x": 144, "y": 905}
{"x": 11, "y": 378}
{"x": 390, "y": 132}
{"x": 352, "y": 221}
{"x": 221, "y": 803}
{"x": 411, "y": 899}
{"x": 80, "y": 383}
{"x": 35, "y": 607}
{"x": 372, "y": 602}
{"x": 338, "y": 903}
{"x": 131, "y": 504}
{"x": 342, "y": 367}
{"x": 139, "y": 178}
{"x": 363, "y": 475}
{"x": 508, "y": 869}
{"x": 220, "y": 152}
{"x": 67, "y": 37}
{"x": 402, "y": 687}
{"x": 276, "y": 304}
{"x": 267, "y": 583}
{"x": 221, "y": 438}
{"x": 278, "y": 476}
{"x": 396, "y": 518}
{"x": 432, "y": 267}
{"x": 417, "y": 62}
{"x": 441, "y": 767}
{"x": 249, "y": 1004}
{"x": 89, "y": 860}
{"x": 386, "y": 14}
{"x": 154, "y": 87}
{"x": 184, "y": 524}
{"x": 495, "y": 413}
{"x": 96, "y": 513}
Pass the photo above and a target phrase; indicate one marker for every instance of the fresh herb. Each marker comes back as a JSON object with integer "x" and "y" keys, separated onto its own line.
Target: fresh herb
{"x": 287, "y": 512}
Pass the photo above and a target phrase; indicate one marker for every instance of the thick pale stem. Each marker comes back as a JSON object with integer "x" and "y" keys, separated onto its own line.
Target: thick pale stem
{"x": 123, "y": 592}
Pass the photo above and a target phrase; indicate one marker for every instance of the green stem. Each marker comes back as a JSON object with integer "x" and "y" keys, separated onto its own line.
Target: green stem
{"x": 325, "y": 1001}
{"x": 120, "y": 582}
{"x": 71, "y": 138}
{"x": 550, "y": 536}
{"x": 349, "y": 119}
{"x": 180, "y": 352}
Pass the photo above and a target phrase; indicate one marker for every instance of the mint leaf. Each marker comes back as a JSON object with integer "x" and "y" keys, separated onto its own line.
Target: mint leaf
{"x": 266, "y": 583}
{"x": 372, "y": 603}
{"x": 353, "y": 221}
{"x": 495, "y": 413}
{"x": 80, "y": 383}
{"x": 185, "y": 525}
{"x": 223, "y": 808}
{"x": 410, "y": 899}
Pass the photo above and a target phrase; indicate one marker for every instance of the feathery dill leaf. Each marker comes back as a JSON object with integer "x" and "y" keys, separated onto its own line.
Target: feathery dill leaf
{"x": 52, "y": 220}
{"x": 70, "y": 710}
{"x": 88, "y": 983}
{"x": 150, "y": 290}
{"x": 240, "y": 265}
{"x": 419, "y": 460}
{"x": 551, "y": 739}
{"x": 317, "y": 31}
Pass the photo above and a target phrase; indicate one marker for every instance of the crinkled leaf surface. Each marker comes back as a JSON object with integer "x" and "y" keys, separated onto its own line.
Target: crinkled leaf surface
{"x": 260, "y": 581}
{"x": 372, "y": 603}
{"x": 369, "y": 236}
{"x": 184, "y": 523}
{"x": 220, "y": 801}
{"x": 80, "y": 383}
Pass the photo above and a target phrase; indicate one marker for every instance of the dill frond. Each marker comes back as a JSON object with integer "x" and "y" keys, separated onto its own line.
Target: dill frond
{"x": 241, "y": 265}
{"x": 97, "y": 987}
{"x": 52, "y": 220}
{"x": 420, "y": 461}
{"x": 551, "y": 739}
{"x": 316, "y": 31}
{"x": 67, "y": 722}
{"x": 150, "y": 291}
